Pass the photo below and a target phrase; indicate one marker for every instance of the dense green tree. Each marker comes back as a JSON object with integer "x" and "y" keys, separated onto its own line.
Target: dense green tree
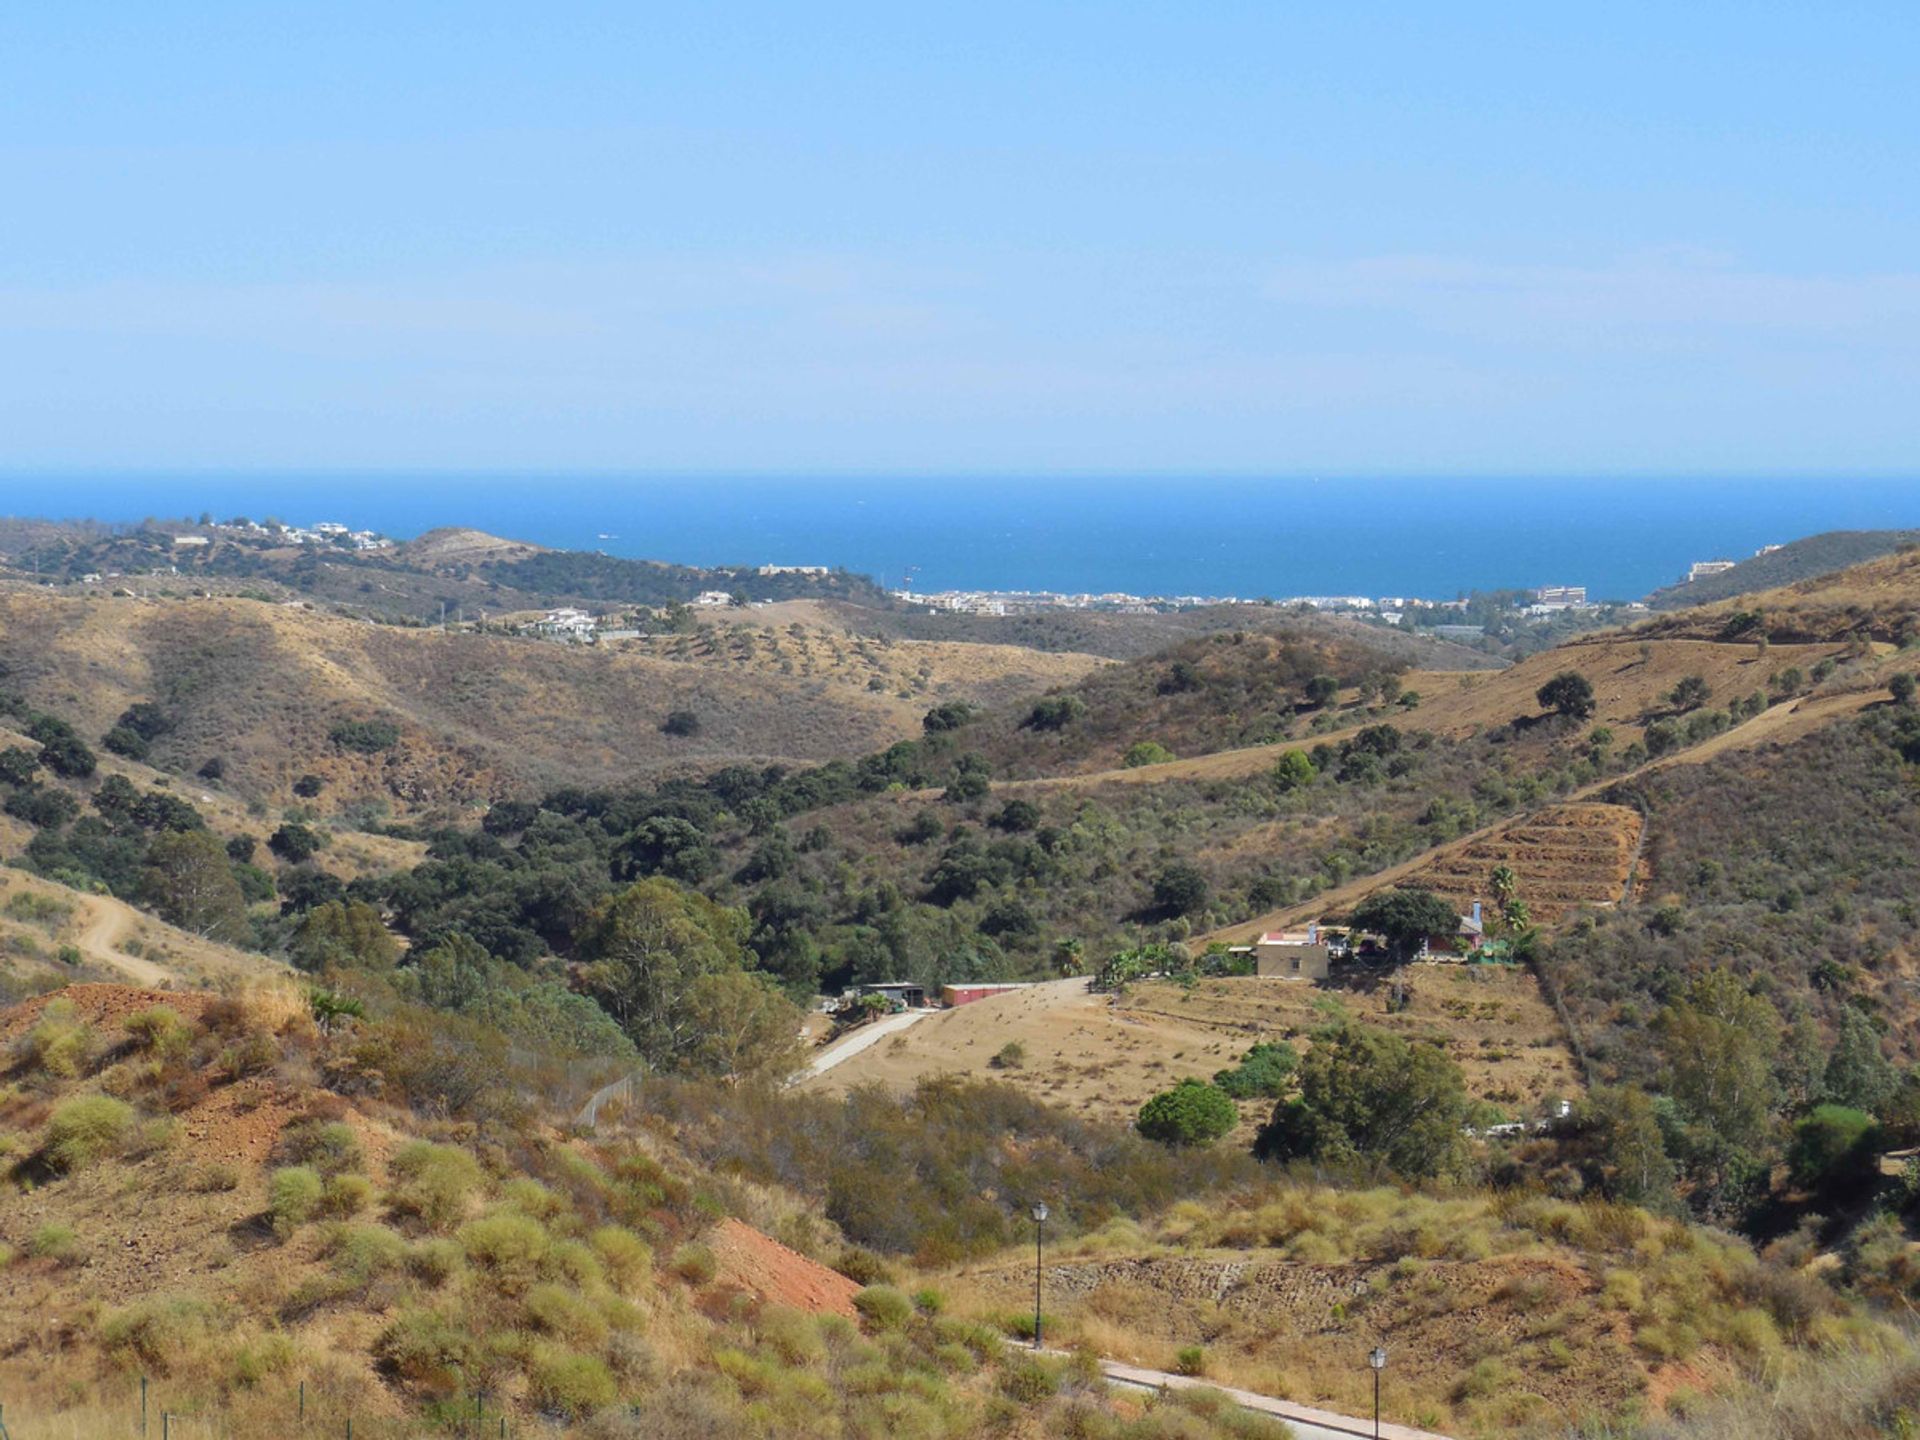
{"x": 683, "y": 723}
{"x": 1055, "y": 712}
{"x": 1192, "y": 1113}
{"x": 342, "y": 935}
{"x": 745, "y": 1029}
{"x": 1834, "y": 1150}
{"x": 190, "y": 883}
{"x": 1321, "y": 691}
{"x": 1616, "y": 1137}
{"x": 43, "y": 807}
{"x": 664, "y": 845}
{"x": 1179, "y": 889}
{"x": 1901, "y": 688}
{"x": 948, "y": 716}
{"x": 1719, "y": 1041}
{"x": 1857, "y": 1072}
{"x": 1690, "y": 693}
{"x": 1405, "y": 918}
{"x": 18, "y": 765}
{"x": 1568, "y": 693}
{"x": 640, "y": 952}
{"x": 67, "y": 756}
{"x": 1016, "y": 817}
{"x": 1293, "y": 771}
{"x": 1146, "y": 752}
{"x": 1369, "y": 1096}
{"x": 294, "y": 842}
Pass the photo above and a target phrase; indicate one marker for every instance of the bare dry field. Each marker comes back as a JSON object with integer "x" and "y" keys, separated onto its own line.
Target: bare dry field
{"x": 1104, "y": 1056}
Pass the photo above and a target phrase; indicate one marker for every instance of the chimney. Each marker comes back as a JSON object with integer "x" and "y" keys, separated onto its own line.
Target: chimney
{"x": 1313, "y": 932}
{"x": 1476, "y": 912}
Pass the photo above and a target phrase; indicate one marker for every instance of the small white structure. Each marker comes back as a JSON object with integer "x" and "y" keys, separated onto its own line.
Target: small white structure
{"x": 713, "y": 598}
{"x": 566, "y": 624}
{"x": 1701, "y": 569}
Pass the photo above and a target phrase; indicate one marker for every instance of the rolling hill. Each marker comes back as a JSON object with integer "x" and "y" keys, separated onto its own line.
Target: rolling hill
{"x": 1804, "y": 559}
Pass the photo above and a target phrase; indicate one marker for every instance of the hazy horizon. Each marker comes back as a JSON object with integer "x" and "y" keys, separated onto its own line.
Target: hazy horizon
{"x": 855, "y": 239}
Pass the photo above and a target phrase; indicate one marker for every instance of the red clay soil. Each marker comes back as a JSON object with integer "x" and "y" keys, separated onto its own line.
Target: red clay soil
{"x": 770, "y": 1272}
{"x": 101, "y": 1005}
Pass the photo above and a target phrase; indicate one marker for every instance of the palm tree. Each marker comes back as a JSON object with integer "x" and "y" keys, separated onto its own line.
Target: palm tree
{"x": 1505, "y": 884}
{"x": 1069, "y": 958}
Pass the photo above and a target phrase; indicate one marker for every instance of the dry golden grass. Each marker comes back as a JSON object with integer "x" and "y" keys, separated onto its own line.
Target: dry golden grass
{"x": 1104, "y": 1056}
{"x": 260, "y": 686}
{"x": 1499, "y": 1313}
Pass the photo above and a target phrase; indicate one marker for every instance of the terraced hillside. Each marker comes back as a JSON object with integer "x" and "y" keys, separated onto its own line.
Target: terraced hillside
{"x": 1564, "y": 858}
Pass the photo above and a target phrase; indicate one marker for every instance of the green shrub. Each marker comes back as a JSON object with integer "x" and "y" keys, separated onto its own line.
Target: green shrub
{"x": 55, "y": 1242}
{"x": 1146, "y": 752}
{"x": 1190, "y": 1360}
{"x": 293, "y": 1195}
{"x": 1192, "y": 1113}
{"x": 436, "y": 1183}
{"x": 160, "y": 1031}
{"x": 425, "y": 1347}
{"x": 511, "y": 1247}
{"x": 863, "y": 1267}
{"x": 694, "y": 1264}
{"x": 883, "y": 1307}
{"x": 359, "y": 1252}
{"x": 60, "y": 1042}
{"x": 627, "y": 1258}
{"x": 569, "y": 1385}
{"x": 437, "y": 1260}
{"x": 86, "y": 1128}
{"x": 344, "y": 1196}
{"x": 331, "y": 1147}
{"x": 367, "y": 737}
{"x": 562, "y": 1313}
{"x": 1010, "y": 1056}
{"x": 1265, "y": 1070}
{"x": 1027, "y": 1381}
{"x": 160, "y": 1331}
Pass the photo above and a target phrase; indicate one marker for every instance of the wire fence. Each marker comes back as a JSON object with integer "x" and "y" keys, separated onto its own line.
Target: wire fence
{"x": 144, "y": 1413}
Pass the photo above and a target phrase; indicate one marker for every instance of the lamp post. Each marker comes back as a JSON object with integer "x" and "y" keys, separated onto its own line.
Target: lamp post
{"x": 1039, "y": 1229}
{"x": 1377, "y": 1358}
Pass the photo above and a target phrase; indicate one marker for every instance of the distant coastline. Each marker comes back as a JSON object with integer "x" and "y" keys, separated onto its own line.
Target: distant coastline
{"x": 1228, "y": 539}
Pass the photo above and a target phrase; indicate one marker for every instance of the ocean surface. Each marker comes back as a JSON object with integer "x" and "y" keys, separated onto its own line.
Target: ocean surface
{"x": 1149, "y": 536}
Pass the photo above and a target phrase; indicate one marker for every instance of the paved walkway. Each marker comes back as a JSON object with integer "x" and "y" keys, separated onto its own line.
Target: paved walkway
{"x": 1307, "y": 1422}
{"x": 867, "y": 1035}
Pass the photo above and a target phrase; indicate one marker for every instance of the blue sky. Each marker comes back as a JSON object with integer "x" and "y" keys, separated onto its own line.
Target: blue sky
{"x": 1260, "y": 238}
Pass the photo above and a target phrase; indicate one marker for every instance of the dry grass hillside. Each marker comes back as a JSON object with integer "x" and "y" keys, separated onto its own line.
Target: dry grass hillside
{"x": 1564, "y": 858}
{"x": 1104, "y": 1056}
{"x": 51, "y": 935}
{"x": 349, "y": 855}
{"x": 261, "y": 687}
{"x": 798, "y": 641}
{"x": 213, "y": 1201}
{"x": 1502, "y": 1315}
{"x": 1877, "y": 601}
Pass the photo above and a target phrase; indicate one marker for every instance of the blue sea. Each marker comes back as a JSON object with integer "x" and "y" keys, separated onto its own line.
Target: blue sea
{"x": 1433, "y": 538}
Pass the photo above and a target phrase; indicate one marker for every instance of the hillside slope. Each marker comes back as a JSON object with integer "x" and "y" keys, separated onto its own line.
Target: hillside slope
{"x": 1804, "y": 559}
{"x": 479, "y": 717}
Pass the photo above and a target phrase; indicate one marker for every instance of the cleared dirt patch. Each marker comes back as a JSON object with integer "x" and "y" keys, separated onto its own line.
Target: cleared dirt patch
{"x": 770, "y": 1272}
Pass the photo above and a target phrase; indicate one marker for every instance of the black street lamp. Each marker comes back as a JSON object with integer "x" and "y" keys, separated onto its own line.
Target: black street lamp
{"x": 1039, "y": 1229}
{"x": 1377, "y": 1358}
